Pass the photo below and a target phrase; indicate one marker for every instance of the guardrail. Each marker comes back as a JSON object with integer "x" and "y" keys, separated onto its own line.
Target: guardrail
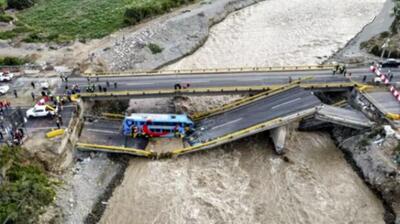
{"x": 210, "y": 70}
{"x": 116, "y": 149}
{"x": 213, "y": 90}
{"x": 113, "y": 116}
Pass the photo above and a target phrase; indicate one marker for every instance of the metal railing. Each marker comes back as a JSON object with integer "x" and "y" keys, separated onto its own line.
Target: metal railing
{"x": 209, "y": 70}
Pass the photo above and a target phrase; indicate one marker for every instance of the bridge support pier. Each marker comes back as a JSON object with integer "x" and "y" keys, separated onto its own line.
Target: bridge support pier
{"x": 278, "y": 136}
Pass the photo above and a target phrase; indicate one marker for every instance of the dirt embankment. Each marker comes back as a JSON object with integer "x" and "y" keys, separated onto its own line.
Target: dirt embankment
{"x": 373, "y": 156}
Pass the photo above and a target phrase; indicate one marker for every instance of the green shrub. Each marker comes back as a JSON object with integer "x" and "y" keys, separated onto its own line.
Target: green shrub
{"x": 384, "y": 34}
{"x": 138, "y": 12}
{"x": 7, "y": 35}
{"x": 12, "y": 61}
{"x": 3, "y": 5}
{"x": 25, "y": 189}
{"x": 154, "y": 48}
{"x": 20, "y": 4}
{"x": 5, "y": 18}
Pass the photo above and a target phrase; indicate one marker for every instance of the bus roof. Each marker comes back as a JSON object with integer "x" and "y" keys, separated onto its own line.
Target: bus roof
{"x": 181, "y": 118}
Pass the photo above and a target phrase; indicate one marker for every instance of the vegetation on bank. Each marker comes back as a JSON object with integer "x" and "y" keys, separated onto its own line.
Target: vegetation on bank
{"x": 64, "y": 20}
{"x": 24, "y": 187}
{"x": 146, "y": 9}
{"x": 154, "y": 48}
{"x": 13, "y": 61}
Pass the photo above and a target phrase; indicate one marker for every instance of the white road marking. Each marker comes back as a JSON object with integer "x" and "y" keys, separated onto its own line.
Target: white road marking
{"x": 230, "y": 122}
{"x": 103, "y": 131}
{"x": 290, "y": 101}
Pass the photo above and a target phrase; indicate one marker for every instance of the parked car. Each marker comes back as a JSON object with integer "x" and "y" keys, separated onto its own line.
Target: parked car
{"x": 4, "y": 89}
{"x": 390, "y": 63}
{"x": 40, "y": 111}
{"x": 6, "y": 77}
{"x": 44, "y": 85}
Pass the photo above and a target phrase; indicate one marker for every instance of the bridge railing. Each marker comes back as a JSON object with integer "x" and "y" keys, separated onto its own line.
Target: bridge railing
{"x": 209, "y": 70}
{"x": 116, "y": 149}
{"x": 212, "y": 90}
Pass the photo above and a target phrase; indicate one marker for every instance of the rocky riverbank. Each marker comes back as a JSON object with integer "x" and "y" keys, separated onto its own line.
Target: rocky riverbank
{"x": 374, "y": 156}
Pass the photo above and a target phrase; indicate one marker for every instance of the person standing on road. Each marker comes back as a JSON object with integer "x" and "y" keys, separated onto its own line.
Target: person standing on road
{"x": 58, "y": 124}
{"x": 33, "y": 84}
{"x": 390, "y": 77}
{"x": 115, "y": 85}
{"x": 33, "y": 96}
{"x": 108, "y": 84}
{"x": 15, "y": 93}
{"x": 100, "y": 88}
{"x": 59, "y": 117}
{"x": 364, "y": 78}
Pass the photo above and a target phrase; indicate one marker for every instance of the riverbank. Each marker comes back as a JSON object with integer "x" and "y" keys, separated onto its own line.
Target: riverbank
{"x": 373, "y": 156}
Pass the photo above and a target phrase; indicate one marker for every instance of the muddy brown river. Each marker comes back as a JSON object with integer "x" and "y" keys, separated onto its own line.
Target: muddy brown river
{"x": 245, "y": 182}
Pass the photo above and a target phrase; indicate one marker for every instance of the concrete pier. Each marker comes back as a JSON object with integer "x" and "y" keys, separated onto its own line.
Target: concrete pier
{"x": 278, "y": 136}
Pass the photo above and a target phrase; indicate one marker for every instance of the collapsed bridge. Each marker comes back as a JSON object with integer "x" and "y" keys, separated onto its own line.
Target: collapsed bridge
{"x": 272, "y": 111}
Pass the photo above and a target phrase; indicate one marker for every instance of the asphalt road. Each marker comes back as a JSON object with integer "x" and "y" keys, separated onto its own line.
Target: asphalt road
{"x": 280, "y": 105}
{"x": 108, "y": 132}
{"x": 45, "y": 124}
{"x": 219, "y": 80}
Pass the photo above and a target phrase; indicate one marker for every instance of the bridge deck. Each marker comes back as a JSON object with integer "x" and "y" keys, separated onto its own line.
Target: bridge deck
{"x": 384, "y": 101}
{"x": 207, "y": 80}
{"x": 279, "y": 105}
{"x": 108, "y": 132}
{"x": 341, "y": 116}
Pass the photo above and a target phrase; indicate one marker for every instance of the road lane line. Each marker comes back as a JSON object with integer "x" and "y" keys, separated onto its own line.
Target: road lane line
{"x": 103, "y": 131}
{"x": 290, "y": 101}
{"x": 230, "y": 122}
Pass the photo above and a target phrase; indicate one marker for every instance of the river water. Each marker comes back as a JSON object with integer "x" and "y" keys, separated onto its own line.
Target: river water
{"x": 245, "y": 182}
{"x": 276, "y": 32}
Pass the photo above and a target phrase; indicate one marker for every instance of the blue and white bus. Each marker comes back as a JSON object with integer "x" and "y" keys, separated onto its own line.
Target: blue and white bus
{"x": 157, "y": 125}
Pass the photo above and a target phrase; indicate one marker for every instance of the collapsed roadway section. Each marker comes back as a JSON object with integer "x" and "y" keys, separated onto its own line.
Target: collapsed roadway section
{"x": 272, "y": 112}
